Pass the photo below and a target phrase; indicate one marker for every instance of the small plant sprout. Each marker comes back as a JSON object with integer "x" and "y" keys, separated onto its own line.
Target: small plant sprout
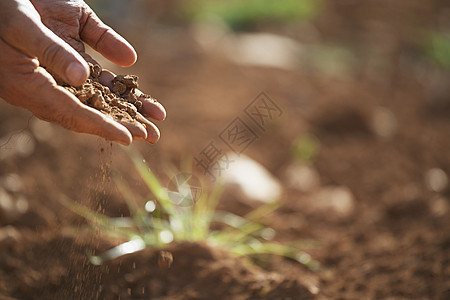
{"x": 305, "y": 148}
{"x": 437, "y": 49}
{"x": 165, "y": 219}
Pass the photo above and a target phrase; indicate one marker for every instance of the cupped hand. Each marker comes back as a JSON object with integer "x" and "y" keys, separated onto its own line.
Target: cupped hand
{"x": 46, "y": 36}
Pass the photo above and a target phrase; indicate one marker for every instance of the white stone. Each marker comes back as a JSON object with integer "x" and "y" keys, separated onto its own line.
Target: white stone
{"x": 12, "y": 208}
{"x": 255, "y": 49}
{"x": 9, "y": 234}
{"x": 12, "y": 182}
{"x": 251, "y": 180}
{"x": 384, "y": 122}
{"x": 6, "y": 202}
{"x": 301, "y": 177}
{"x": 439, "y": 206}
{"x": 338, "y": 199}
{"x": 264, "y": 49}
{"x": 436, "y": 179}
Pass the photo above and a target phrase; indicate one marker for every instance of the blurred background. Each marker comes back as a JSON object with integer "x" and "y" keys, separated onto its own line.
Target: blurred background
{"x": 358, "y": 152}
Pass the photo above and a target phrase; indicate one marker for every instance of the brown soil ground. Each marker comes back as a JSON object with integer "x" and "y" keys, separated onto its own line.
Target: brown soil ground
{"x": 392, "y": 243}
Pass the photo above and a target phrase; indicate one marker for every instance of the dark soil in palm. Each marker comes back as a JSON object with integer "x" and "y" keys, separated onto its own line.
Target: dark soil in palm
{"x": 121, "y": 102}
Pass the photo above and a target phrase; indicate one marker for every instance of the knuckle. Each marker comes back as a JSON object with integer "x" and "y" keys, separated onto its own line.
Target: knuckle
{"x": 64, "y": 118}
{"x": 67, "y": 121}
{"x": 68, "y": 116}
{"x": 51, "y": 55}
{"x": 59, "y": 111}
{"x": 34, "y": 82}
{"x": 14, "y": 91}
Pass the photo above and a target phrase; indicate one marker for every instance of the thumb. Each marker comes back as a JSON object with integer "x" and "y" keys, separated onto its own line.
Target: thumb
{"x": 60, "y": 58}
{"x": 28, "y": 34}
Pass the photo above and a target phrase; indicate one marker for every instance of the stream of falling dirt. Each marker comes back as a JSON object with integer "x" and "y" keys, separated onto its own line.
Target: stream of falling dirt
{"x": 99, "y": 184}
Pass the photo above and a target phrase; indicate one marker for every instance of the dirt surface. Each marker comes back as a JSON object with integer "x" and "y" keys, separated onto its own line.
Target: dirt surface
{"x": 385, "y": 233}
{"x": 137, "y": 276}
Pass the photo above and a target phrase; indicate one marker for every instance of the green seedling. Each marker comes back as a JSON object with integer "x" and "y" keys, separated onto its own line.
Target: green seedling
{"x": 162, "y": 220}
{"x": 438, "y": 49}
{"x": 305, "y": 148}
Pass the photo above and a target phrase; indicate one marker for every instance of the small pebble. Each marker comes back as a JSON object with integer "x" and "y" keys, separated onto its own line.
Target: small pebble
{"x": 165, "y": 259}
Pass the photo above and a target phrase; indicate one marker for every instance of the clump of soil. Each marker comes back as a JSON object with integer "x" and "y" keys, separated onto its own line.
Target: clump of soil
{"x": 122, "y": 102}
{"x": 165, "y": 259}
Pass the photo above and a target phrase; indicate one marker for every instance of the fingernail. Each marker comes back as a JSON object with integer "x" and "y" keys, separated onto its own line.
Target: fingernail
{"x": 76, "y": 73}
{"x": 125, "y": 143}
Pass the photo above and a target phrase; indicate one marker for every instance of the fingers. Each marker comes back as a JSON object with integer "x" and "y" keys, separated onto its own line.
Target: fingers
{"x": 80, "y": 118}
{"x": 88, "y": 58}
{"x": 150, "y": 107}
{"x": 146, "y": 130}
{"x": 62, "y": 108}
{"x": 137, "y": 130}
{"x": 107, "y": 42}
{"x": 57, "y": 105}
{"x": 106, "y": 78}
{"x": 25, "y": 32}
{"x": 153, "y": 133}
{"x": 27, "y": 85}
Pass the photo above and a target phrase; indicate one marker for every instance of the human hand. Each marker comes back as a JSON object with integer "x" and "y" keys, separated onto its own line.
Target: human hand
{"x": 50, "y": 34}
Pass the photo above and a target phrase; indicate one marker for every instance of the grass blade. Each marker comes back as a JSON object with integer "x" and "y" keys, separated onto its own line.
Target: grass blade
{"x": 150, "y": 179}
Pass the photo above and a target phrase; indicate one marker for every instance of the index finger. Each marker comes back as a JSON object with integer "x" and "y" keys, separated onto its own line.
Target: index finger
{"x": 106, "y": 41}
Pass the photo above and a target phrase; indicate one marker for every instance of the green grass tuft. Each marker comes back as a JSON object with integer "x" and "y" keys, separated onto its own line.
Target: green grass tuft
{"x": 162, "y": 221}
